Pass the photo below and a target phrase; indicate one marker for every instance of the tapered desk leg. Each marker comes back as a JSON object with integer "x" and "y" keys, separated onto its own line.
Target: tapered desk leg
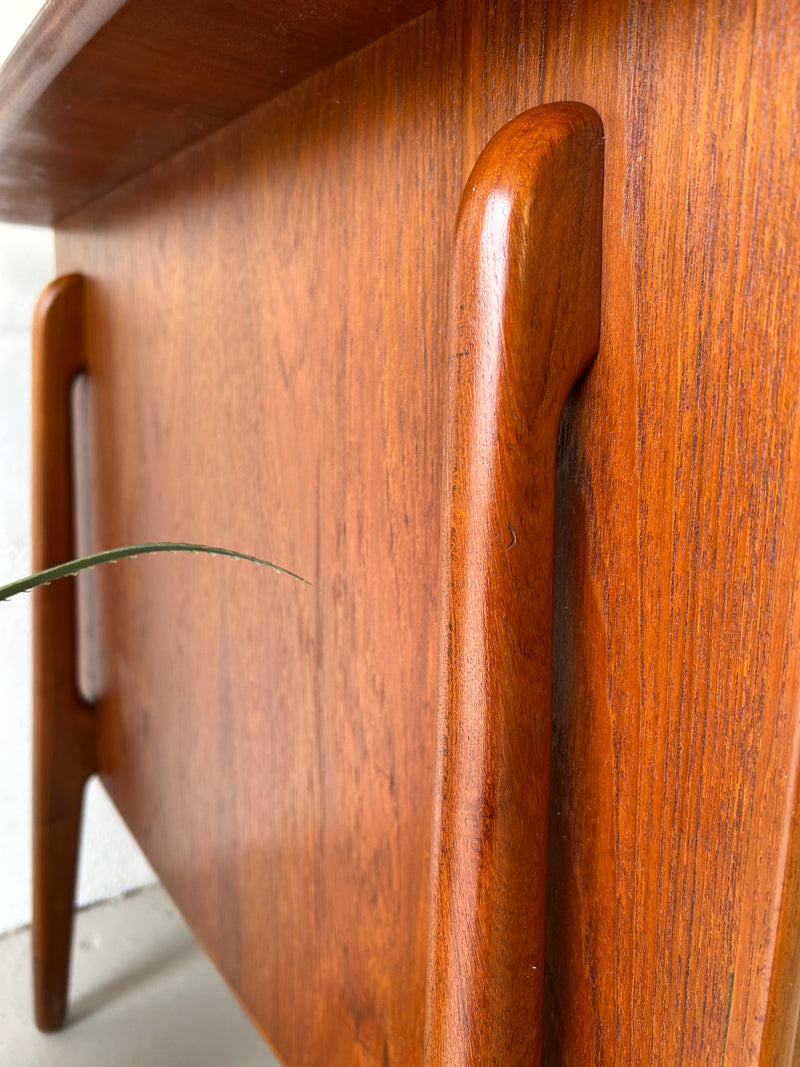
{"x": 64, "y": 731}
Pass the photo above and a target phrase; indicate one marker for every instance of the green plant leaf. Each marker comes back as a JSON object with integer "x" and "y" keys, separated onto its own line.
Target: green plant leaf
{"x": 111, "y": 555}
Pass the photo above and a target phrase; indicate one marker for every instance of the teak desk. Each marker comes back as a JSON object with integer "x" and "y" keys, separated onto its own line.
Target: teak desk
{"x": 297, "y": 344}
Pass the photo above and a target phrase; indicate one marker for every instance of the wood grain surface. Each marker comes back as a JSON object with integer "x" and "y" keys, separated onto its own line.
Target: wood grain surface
{"x": 98, "y": 91}
{"x": 65, "y": 746}
{"x": 268, "y": 353}
{"x": 526, "y": 325}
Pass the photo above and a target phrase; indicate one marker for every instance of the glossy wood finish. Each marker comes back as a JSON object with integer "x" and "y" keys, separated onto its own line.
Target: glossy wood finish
{"x": 268, "y": 318}
{"x": 676, "y": 674}
{"x": 99, "y": 90}
{"x": 526, "y": 325}
{"x": 271, "y": 745}
{"x": 65, "y": 750}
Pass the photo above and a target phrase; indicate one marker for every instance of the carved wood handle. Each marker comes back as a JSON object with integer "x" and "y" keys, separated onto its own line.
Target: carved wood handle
{"x": 526, "y": 320}
{"x": 64, "y": 728}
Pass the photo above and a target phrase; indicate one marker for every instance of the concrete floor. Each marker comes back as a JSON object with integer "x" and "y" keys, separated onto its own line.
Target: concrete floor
{"x": 143, "y": 993}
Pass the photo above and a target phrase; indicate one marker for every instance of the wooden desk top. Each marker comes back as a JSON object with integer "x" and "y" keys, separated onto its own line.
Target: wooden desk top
{"x": 99, "y": 91}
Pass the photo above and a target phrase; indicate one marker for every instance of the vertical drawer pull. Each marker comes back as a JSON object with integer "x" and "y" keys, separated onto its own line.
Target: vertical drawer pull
{"x": 525, "y": 327}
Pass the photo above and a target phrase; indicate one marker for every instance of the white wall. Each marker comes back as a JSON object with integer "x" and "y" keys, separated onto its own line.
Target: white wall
{"x": 111, "y": 863}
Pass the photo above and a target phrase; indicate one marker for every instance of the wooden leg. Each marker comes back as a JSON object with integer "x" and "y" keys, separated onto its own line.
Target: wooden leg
{"x": 56, "y": 835}
{"x": 64, "y": 730}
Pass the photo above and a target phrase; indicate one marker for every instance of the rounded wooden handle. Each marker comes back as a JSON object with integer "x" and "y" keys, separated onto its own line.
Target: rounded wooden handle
{"x": 525, "y": 327}
{"x": 64, "y": 728}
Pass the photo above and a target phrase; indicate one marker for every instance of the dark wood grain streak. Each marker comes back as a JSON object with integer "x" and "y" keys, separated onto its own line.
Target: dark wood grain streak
{"x": 65, "y": 750}
{"x": 526, "y": 311}
{"x": 99, "y": 92}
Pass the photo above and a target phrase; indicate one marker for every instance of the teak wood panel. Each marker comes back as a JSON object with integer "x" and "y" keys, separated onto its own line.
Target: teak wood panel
{"x": 100, "y": 90}
{"x": 268, "y": 358}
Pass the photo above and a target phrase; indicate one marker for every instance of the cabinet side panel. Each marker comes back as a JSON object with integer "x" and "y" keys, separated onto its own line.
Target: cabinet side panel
{"x": 267, "y": 366}
{"x": 676, "y": 665}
